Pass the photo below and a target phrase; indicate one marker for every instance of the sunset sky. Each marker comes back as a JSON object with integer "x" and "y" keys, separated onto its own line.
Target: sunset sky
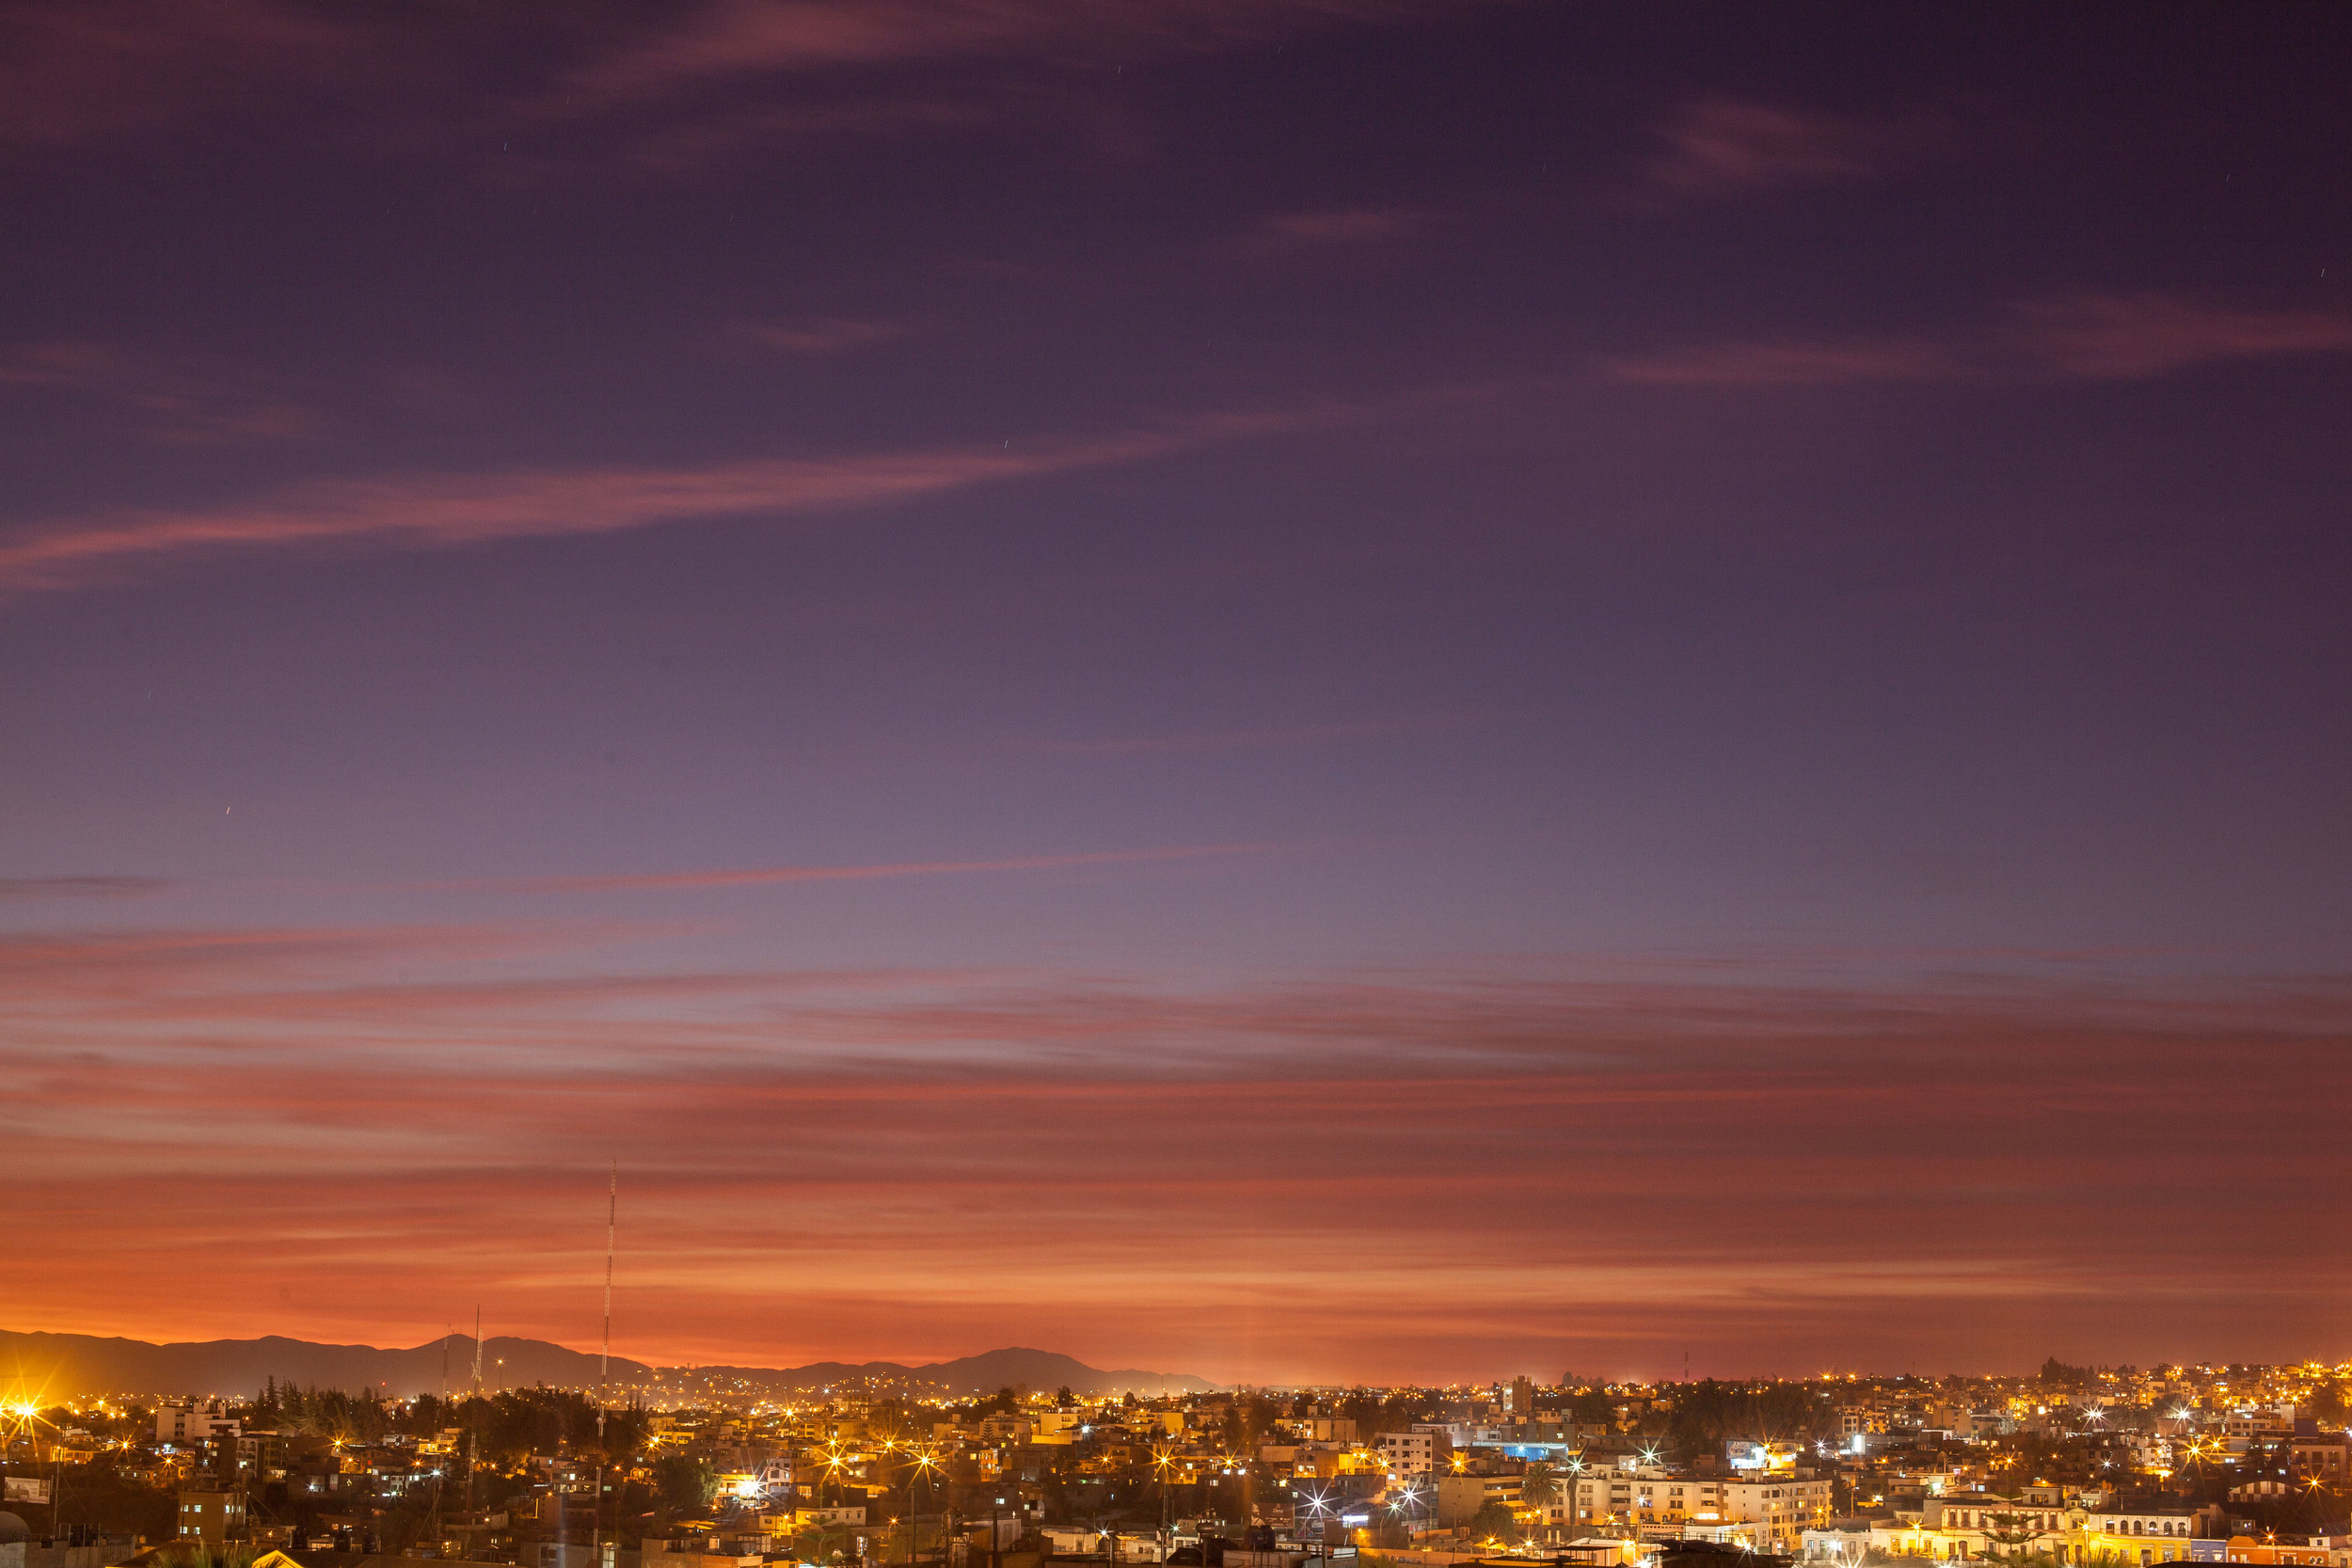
{"x": 1289, "y": 690}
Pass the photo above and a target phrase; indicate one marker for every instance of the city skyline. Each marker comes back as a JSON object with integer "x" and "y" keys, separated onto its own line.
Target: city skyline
{"x": 1347, "y": 690}
{"x": 44, "y": 1370}
{"x": 2128, "y": 1468}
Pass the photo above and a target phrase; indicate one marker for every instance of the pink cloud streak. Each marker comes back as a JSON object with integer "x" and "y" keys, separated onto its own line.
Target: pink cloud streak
{"x": 2097, "y": 338}
{"x": 458, "y": 511}
{"x": 740, "y": 38}
{"x": 399, "y": 1110}
{"x": 1261, "y": 737}
{"x": 779, "y": 875}
{"x": 1721, "y": 145}
{"x": 103, "y": 65}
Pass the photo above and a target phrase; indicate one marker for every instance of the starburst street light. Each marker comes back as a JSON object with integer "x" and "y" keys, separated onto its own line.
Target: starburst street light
{"x": 22, "y": 1417}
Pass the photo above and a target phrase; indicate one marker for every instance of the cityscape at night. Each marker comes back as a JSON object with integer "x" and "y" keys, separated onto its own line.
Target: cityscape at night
{"x": 1234, "y": 783}
{"x": 2066, "y": 1466}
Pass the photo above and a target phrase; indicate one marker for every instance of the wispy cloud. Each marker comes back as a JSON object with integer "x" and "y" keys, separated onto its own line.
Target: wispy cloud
{"x": 374, "y": 1104}
{"x": 779, "y": 875}
{"x": 1258, "y": 738}
{"x": 2094, "y": 338}
{"x": 1283, "y": 234}
{"x": 2122, "y": 338}
{"x": 740, "y": 38}
{"x": 1718, "y": 149}
{"x": 1721, "y": 146}
{"x": 858, "y": 68}
{"x": 82, "y": 887}
{"x": 708, "y": 134}
{"x": 102, "y": 66}
{"x": 444, "y": 511}
{"x": 822, "y": 335}
{"x": 183, "y": 403}
{"x": 1834, "y": 362}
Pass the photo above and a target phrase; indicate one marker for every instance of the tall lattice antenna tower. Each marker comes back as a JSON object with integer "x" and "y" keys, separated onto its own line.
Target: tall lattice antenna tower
{"x": 604, "y": 1369}
{"x": 473, "y": 1412}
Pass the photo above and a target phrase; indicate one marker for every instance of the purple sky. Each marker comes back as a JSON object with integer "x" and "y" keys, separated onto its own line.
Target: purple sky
{"x": 1345, "y": 690}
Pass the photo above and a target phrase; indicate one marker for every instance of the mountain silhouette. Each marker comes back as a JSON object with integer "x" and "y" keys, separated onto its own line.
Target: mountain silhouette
{"x": 75, "y": 1366}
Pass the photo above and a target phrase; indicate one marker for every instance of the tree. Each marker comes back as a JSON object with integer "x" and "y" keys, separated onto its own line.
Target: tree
{"x": 817, "y": 1542}
{"x": 1494, "y": 1519}
{"x": 1374, "y": 1414}
{"x": 687, "y": 1483}
{"x": 1592, "y": 1408}
{"x": 1707, "y": 1412}
{"x": 2014, "y": 1532}
{"x": 1540, "y": 1489}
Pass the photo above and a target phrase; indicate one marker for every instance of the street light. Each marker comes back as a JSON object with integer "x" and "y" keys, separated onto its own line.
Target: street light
{"x": 923, "y": 1465}
{"x": 1412, "y": 1505}
{"x": 1163, "y": 1461}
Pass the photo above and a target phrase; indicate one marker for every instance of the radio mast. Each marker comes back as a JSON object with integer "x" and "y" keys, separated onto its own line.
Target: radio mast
{"x": 473, "y": 1414}
{"x": 604, "y": 1370}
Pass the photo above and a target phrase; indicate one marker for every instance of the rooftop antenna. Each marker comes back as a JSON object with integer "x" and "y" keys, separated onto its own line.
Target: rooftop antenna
{"x": 604, "y": 1370}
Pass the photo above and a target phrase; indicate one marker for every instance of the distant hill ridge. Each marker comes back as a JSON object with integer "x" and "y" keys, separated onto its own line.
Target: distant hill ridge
{"x": 968, "y": 1374}
{"x": 72, "y": 1366}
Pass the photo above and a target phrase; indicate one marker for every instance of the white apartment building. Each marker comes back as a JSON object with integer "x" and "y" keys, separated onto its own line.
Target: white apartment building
{"x": 2178, "y": 1523}
{"x": 192, "y": 1424}
{"x": 1773, "y": 1510}
{"x": 1778, "y": 1508}
{"x": 1407, "y": 1453}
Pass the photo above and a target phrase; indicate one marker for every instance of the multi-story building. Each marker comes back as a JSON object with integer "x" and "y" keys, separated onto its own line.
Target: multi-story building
{"x": 1771, "y": 1512}
{"x": 1777, "y": 1509}
{"x": 2127, "y": 1523}
{"x": 1460, "y": 1497}
{"x": 214, "y": 1518}
{"x": 2323, "y": 1456}
{"x": 1407, "y": 1453}
{"x": 2032, "y": 1522}
{"x": 1325, "y": 1429}
{"x": 194, "y": 1424}
{"x": 255, "y": 1457}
